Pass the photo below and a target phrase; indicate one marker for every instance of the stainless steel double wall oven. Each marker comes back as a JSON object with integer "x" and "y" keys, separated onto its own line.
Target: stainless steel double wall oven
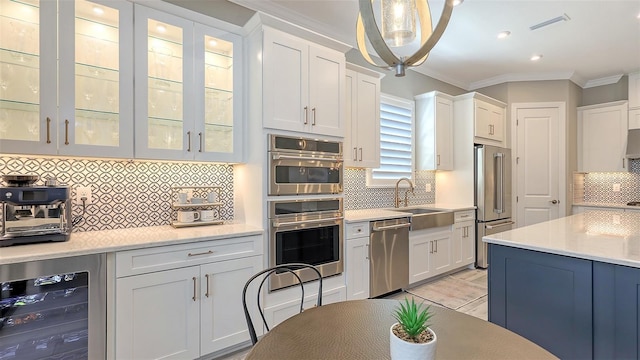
{"x": 304, "y": 228}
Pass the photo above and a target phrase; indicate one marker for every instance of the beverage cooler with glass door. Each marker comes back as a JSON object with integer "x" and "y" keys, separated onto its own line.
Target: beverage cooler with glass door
{"x": 53, "y": 309}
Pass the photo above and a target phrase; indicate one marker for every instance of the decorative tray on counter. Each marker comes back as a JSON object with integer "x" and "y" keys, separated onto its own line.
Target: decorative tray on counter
{"x": 203, "y": 194}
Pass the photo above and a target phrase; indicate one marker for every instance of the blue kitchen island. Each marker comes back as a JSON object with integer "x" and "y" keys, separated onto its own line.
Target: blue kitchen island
{"x": 571, "y": 285}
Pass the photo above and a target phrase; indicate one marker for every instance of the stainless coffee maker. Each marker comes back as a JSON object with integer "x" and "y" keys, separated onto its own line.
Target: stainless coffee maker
{"x": 33, "y": 214}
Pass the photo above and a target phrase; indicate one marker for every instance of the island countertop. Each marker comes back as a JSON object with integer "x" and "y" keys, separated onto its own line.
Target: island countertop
{"x": 606, "y": 236}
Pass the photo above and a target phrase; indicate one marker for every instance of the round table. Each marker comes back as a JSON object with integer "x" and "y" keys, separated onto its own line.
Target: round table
{"x": 359, "y": 329}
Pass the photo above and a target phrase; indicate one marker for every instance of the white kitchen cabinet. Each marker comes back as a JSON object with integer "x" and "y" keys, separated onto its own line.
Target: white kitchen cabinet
{"x": 634, "y": 119}
{"x": 602, "y": 137}
{"x": 189, "y": 85}
{"x": 278, "y": 313}
{"x": 183, "y": 301}
{"x": 634, "y": 90}
{"x": 463, "y": 241}
{"x": 304, "y": 85}
{"x": 66, "y": 78}
{"x": 357, "y": 264}
{"x": 429, "y": 253}
{"x": 490, "y": 123}
{"x": 434, "y": 131}
{"x": 362, "y": 137}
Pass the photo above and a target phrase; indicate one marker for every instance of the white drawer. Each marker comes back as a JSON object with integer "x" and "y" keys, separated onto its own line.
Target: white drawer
{"x": 464, "y": 215}
{"x": 357, "y": 230}
{"x": 135, "y": 262}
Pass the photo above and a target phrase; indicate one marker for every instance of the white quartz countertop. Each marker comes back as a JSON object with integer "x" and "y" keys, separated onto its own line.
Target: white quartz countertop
{"x": 94, "y": 242}
{"x": 607, "y": 205}
{"x": 599, "y": 235}
{"x": 351, "y": 216}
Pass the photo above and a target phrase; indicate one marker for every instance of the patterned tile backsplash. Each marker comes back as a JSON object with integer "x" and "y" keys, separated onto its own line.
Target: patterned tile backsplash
{"x": 598, "y": 187}
{"x": 125, "y": 193}
{"x": 358, "y": 196}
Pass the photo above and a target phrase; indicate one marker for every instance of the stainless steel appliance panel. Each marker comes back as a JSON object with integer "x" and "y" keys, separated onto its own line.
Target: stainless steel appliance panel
{"x": 493, "y": 182}
{"x": 389, "y": 257}
{"x": 305, "y": 231}
{"x": 488, "y": 228}
{"x": 48, "y": 305}
{"x": 299, "y": 166}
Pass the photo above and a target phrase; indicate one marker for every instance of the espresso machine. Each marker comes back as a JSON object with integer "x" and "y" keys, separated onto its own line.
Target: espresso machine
{"x": 32, "y": 214}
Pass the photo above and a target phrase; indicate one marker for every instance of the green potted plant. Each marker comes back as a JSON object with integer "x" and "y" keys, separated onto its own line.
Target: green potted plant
{"x": 411, "y": 337}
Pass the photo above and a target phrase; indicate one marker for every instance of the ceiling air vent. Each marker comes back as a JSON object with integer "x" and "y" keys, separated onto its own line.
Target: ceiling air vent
{"x": 556, "y": 19}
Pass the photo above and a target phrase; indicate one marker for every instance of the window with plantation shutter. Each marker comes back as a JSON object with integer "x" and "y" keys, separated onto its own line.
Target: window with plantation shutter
{"x": 396, "y": 142}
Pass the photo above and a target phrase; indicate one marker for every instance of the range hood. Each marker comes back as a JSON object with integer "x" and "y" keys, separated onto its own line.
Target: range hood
{"x": 633, "y": 144}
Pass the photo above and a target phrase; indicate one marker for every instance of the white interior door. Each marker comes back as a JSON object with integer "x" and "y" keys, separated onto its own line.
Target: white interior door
{"x": 539, "y": 162}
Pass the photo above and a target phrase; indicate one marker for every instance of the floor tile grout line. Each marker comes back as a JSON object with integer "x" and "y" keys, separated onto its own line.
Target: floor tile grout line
{"x": 435, "y": 302}
{"x": 470, "y": 301}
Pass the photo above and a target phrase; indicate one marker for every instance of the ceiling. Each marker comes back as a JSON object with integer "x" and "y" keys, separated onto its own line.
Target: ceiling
{"x": 597, "y": 45}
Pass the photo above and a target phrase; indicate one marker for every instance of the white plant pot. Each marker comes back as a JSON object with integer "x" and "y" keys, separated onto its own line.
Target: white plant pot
{"x": 402, "y": 350}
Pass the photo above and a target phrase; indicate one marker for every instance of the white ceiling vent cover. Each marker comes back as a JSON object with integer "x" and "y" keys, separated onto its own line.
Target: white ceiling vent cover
{"x": 564, "y": 17}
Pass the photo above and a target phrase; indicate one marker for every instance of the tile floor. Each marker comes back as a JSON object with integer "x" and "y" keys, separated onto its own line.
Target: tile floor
{"x": 464, "y": 291}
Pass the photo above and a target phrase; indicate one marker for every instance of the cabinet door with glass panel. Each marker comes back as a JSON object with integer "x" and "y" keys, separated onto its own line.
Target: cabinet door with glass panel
{"x": 65, "y": 82}
{"x": 218, "y": 56}
{"x": 188, "y": 73}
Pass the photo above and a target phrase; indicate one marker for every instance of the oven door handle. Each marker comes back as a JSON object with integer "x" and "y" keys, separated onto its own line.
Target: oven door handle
{"x": 276, "y": 224}
{"x": 310, "y": 158}
{"x": 391, "y": 227}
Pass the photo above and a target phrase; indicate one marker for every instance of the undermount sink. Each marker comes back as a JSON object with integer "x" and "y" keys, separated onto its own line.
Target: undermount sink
{"x": 428, "y": 218}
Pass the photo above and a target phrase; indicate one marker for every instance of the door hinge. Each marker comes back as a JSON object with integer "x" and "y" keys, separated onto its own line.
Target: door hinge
{"x": 517, "y": 199}
{"x": 517, "y": 122}
{"x": 517, "y": 160}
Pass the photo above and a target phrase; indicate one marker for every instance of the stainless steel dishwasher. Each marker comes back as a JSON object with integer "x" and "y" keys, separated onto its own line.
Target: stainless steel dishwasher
{"x": 389, "y": 258}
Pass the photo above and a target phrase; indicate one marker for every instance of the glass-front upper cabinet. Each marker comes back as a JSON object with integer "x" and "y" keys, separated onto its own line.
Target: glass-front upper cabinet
{"x": 189, "y": 75}
{"x": 66, "y": 83}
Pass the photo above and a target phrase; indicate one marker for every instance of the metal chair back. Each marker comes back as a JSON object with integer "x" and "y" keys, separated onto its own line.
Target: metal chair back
{"x": 265, "y": 275}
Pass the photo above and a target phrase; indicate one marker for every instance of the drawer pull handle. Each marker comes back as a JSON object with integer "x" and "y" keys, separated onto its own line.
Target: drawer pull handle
{"x": 194, "y": 289}
{"x": 202, "y": 253}
{"x": 66, "y": 132}
{"x": 465, "y": 215}
{"x": 188, "y": 141}
{"x": 207, "y": 279}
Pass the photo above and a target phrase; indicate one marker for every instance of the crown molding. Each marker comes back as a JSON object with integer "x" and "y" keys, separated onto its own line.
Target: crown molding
{"x": 603, "y": 81}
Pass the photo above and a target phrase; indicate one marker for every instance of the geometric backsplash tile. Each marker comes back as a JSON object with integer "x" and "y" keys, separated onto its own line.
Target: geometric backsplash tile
{"x": 125, "y": 193}
{"x": 358, "y": 196}
{"x": 598, "y": 187}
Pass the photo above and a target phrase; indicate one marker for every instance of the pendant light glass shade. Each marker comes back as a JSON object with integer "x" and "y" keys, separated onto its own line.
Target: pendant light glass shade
{"x": 398, "y": 32}
{"x": 398, "y": 21}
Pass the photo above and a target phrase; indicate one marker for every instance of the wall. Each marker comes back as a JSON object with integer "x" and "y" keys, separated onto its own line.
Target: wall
{"x": 358, "y": 196}
{"x": 606, "y": 93}
{"x": 126, "y": 193}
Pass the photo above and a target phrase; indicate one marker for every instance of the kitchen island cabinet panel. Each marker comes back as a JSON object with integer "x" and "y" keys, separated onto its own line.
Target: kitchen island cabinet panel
{"x": 543, "y": 297}
{"x": 616, "y": 301}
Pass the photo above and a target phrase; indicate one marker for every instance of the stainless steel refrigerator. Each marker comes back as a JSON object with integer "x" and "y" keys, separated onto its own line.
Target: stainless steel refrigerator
{"x": 493, "y": 195}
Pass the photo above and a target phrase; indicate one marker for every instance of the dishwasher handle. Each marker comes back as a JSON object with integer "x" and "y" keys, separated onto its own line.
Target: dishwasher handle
{"x": 390, "y": 227}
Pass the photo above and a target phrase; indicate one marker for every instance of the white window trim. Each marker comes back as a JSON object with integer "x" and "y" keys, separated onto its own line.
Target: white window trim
{"x": 387, "y": 183}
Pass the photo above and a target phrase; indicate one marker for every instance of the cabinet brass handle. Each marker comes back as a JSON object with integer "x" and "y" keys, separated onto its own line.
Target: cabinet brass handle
{"x": 355, "y": 154}
{"x": 200, "y": 141}
{"x": 202, "y": 253}
{"x": 206, "y": 276}
{"x": 194, "y": 288}
{"x": 431, "y": 250}
{"x": 306, "y": 115}
{"x": 66, "y": 131}
{"x": 48, "y": 130}
{"x": 360, "y": 154}
{"x": 188, "y": 141}
{"x": 436, "y": 241}
{"x": 313, "y": 110}
{"x": 623, "y": 163}
{"x": 368, "y": 252}
{"x": 438, "y": 163}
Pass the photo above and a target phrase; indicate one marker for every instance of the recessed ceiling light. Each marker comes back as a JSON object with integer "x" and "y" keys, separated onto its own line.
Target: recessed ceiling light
{"x": 161, "y": 28}
{"x": 536, "y": 57}
{"x": 457, "y": 2}
{"x": 504, "y": 34}
{"x": 98, "y": 10}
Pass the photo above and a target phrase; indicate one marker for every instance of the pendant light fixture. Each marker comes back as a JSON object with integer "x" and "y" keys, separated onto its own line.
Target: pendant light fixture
{"x": 399, "y": 19}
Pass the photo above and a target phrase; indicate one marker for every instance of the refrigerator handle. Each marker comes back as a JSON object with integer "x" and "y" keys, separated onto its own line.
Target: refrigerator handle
{"x": 498, "y": 203}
